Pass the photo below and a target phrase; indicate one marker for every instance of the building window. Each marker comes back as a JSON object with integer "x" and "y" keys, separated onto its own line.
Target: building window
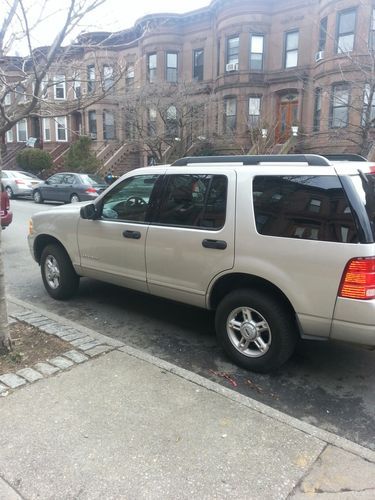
{"x": 61, "y": 129}
{"x": 21, "y": 128}
{"x": 233, "y": 48}
{"x": 230, "y": 114}
{"x": 171, "y": 67}
{"x": 109, "y": 131}
{"x": 91, "y": 79}
{"x": 256, "y": 52}
{"x": 172, "y": 122}
{"x": 339, "y": 112}
{"x": 108, "y": 80}
{"x": 92, "y": 124}
{"x": 151, "y": 124}
{"x": 59, "y": 87}
{"x": 129, "y": 78}
{"x": 317, "y": 109}
{"x": 151, "y": 67}
{"x": 254, "y": 111}
{"x": 198, "y": 61}
{"x": 46, "y": 129}
{"x": 372, "y": 30}
{"x": 368, "y": 116}
{"x": 345, "y": 31}
{"x": 9, "y": 135}
{"x": 291, "y": 49}
{"x": 322, "y": 34}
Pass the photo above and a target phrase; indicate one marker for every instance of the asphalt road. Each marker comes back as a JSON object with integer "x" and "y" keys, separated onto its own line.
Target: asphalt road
{"x": 326, "y": 384}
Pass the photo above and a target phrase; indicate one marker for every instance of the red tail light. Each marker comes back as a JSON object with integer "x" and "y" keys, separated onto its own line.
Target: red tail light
{"x": 91, "y": 190}
{"x": 358, "y": 279}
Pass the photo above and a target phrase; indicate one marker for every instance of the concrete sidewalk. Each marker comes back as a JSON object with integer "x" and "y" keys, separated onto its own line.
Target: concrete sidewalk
{"x": 126, "y": 425}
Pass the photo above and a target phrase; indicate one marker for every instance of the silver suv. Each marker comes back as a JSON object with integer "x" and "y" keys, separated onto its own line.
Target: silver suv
{"x": 282, "y": 247}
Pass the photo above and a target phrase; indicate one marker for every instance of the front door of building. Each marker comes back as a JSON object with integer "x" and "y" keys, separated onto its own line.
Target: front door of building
{"x": 287, "y": 116}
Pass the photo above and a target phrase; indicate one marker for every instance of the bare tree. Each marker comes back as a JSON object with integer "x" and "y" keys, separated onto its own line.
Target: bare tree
{"x": 26, "y": 76}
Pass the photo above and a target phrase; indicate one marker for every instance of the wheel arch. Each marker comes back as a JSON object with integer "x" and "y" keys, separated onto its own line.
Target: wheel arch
{"x": 234, "y": 281}
{"x": 42, "y": 241}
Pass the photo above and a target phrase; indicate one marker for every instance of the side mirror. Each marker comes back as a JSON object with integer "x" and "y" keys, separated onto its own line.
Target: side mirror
{"x": 89, "y": 212}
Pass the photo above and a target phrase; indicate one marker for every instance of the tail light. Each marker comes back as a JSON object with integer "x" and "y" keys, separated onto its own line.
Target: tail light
{"x": 90, "y": 190}
{"x": 358, "y": 279}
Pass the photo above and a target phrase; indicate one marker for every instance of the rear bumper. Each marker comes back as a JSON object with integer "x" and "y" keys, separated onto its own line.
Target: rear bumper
{"x": 360, "y": 331}
{"x": 6, "y": 219}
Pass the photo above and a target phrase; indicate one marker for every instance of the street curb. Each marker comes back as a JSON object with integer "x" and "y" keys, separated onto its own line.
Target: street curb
{"x": 309, "y": 429}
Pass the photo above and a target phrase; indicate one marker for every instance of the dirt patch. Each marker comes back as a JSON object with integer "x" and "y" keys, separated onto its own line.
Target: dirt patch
{"x": 30, "y": 346}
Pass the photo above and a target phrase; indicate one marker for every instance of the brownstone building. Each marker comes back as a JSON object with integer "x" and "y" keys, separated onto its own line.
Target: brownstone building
{"x": 271, "y": 76}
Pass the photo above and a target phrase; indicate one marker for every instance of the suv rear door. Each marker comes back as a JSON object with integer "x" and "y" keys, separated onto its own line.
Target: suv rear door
{"x": 191, "y": 238}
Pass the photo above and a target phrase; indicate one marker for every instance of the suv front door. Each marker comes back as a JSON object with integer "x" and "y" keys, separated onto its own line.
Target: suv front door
{"x": 191, "y": 239}
{"x": 112, "y": 248}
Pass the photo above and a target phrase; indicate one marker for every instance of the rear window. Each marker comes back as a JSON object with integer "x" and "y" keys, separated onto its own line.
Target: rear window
{"x": 305, "y": 207}
{"x": 364, "y": 185}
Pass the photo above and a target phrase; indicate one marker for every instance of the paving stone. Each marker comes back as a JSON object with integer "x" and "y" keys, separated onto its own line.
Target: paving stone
{"x": 12, "y": 380}
{"x": 60, "y": 362}
{"x": 46, "y": 369}
{"x": 89, "y": 345}
{"x": 3, "y": 389}
{"x": 29, "y": 374}
{"x": 81, "y": 341}
{"x": 77, "y": 357}
{"x": 100, "y": 349}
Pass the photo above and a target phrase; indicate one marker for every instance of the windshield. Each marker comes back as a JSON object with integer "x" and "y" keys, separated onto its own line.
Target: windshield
{"x": 92, "y": 179}
{"x": 364, "y": 185}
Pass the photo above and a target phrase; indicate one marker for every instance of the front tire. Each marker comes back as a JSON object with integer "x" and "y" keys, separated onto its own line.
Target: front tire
{"x": 255, "y": 330}
{"x": 58, "y": 274}
{"x": 37, "y": 197}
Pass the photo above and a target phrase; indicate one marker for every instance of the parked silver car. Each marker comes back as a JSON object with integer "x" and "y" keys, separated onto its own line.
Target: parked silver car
{"x": 281, "y": 247}
{"x": 19, "y": 182}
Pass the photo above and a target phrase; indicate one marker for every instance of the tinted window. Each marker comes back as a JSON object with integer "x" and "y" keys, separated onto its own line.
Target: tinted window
{"x": 307, "y": 207}
{"x": 130, "y": 199}
{"x": 195, "y": 201}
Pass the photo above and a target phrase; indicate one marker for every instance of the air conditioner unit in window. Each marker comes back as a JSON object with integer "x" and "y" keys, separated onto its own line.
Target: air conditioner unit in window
{"x": 231, "y": 67}
{"x": 319, "y": 55}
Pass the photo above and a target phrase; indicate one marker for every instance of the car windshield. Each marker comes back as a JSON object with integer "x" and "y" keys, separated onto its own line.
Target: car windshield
{"x": 94, "y": 180}
{"x": 365, "y": 187}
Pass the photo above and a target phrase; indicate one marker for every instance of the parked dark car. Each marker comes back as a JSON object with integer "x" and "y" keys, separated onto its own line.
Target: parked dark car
{"x": 6, "y": 214}
{"x": 69, "y": 187}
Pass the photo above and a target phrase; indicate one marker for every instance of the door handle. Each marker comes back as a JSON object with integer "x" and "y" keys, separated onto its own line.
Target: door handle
{"x": 218, "y": 244}
{"x": 135, "y": 235}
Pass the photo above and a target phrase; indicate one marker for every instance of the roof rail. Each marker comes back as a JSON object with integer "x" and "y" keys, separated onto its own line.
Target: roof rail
{"x": 345, "y": 157}
{"x": 310, "y": 159}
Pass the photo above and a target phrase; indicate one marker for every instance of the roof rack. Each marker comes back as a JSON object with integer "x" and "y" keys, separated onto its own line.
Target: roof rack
{"x": 310, "y": 159}
{"x": 345, "y": 157}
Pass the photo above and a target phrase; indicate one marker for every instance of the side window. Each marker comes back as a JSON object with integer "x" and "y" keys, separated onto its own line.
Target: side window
{"x": 307, "y": 207}
{"x": 194, "y": 201}
{"x": 129, "y": 200}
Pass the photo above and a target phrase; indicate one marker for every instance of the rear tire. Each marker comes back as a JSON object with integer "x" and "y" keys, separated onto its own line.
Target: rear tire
{"x": 37, "y": 197}
{"x": 58, "y": 274}
{"x": 255, "y": 330}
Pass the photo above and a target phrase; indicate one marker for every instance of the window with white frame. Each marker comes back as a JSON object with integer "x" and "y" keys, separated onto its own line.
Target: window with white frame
{"x": 59, "y": 87}
{"x": 21, "y": 128}
{"x": 339, "y": 112}
{"x": 9, "y": 135}
{"x": 230, "y": 114}
{"x": 345, "y": 31}
{"x": 291, "y": 49}
{"x": 61, "y": 129}
{"x": 368, "y": 116}
{"x": 171, "y": 75}
{"x": 256, "y": 52}
{"x": 151, "y": 67}
{"x": 46, "y": 129}
{"x": 233, "y": 53}
{"x": 254, "y": 111}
